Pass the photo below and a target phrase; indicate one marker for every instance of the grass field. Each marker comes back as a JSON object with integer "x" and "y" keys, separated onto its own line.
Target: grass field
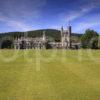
{"x": 49, "y": 75}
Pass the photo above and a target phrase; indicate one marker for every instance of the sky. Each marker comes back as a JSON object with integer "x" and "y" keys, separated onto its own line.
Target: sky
{"x": 25, "y": 15}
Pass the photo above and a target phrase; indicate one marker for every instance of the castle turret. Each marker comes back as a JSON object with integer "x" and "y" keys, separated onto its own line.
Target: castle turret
{"x": 66, "y": 38}
{"x": 62, "y": 36}
{"x": 44, "y": 36}
{"x": 69, "y": 36}
{"x": 62, "y": 31}
{"x": 44, "y": 40}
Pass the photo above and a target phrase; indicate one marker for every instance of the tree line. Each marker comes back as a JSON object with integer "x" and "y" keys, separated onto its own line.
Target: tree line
{"x": 89, "y": 40}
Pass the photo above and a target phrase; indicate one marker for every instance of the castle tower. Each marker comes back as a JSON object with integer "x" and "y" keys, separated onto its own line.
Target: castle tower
{"x": 66, "y": 38}
{"x": 62, "y": 31}
{"x": 69, "y": 36}
{"x": 44, "y": 37}
{"x": 62, "y": 36}
{"x": 44, "y": 40}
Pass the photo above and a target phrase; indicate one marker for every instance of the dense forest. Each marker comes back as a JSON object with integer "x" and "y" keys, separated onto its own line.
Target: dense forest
{"x": 51, "y": 33}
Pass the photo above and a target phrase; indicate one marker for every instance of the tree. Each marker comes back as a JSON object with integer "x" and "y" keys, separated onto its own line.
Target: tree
{"x": 48, "y": 46}
{"x": 90, "y": 39}
{"x": 7, "y": 44}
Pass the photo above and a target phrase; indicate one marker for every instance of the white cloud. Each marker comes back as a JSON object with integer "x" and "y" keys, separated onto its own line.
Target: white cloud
{"x": 18, "y": 25}
{"x": 17, "y": 13}
{"x": 79, "y": 11}
{"x": 72, "y": 15}
{"x": 21, "y": 7}
{"x": 81, "y": 27}
{"x": 87, "y": 22}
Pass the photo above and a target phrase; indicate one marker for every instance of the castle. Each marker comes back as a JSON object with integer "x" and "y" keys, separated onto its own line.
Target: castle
{"x": 30, "y": 43}
{"x": 41, "y": 42}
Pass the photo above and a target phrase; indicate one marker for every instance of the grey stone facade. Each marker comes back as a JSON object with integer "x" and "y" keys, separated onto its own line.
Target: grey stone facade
{"x": 42, "y": 42}
{"x": 30, "y": 43}
{"x": 66, "y": 38}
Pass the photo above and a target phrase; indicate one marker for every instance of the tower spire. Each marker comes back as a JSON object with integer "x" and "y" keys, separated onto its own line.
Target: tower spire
{"x": 62, "y": 36}
{"x": 62, "y": 31}
{"x": 69, "y": 36}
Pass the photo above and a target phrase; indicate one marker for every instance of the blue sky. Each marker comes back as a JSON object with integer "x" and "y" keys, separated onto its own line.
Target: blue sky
{"x": 24, "y": 15}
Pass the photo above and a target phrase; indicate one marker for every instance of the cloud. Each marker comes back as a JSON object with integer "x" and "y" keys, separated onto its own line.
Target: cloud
{"x": 83, "y": 8}
{"x": 18, "y": 13}
{"x": 81, "y": 27}
{"x": 72, "y": 15}
{"x": 21, "y": 7}
{"x": 90, "y": 22}
{"x": 18, "y": 25}
{"x": 21, "y": 14}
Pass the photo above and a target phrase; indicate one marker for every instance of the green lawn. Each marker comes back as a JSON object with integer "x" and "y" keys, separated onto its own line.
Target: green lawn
{"x": 49, "y": 75}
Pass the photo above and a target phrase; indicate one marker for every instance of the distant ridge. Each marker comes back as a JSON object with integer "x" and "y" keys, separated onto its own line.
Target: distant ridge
{"x": 52, "y": 33}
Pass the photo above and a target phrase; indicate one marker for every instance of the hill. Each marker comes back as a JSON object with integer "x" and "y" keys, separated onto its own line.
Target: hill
{"x": 52, "y": 33}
